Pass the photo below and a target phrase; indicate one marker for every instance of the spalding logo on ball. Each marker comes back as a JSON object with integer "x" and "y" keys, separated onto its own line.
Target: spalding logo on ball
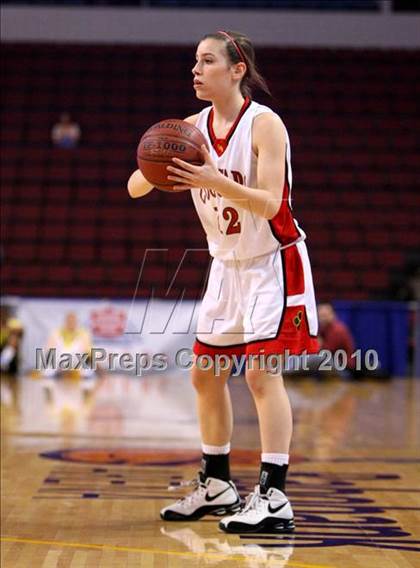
{"x": 171, "y": 138}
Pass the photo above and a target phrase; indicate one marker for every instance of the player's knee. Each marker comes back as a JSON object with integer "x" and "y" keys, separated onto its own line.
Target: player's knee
{"x": 258, "y": 381}
{"x": 200, "y": 379}
{"x": 205, "y": 380}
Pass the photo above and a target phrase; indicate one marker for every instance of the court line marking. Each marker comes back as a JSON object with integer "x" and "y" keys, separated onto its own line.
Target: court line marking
{"x": 37, "y": 434}
{"x": 210, "y": 555}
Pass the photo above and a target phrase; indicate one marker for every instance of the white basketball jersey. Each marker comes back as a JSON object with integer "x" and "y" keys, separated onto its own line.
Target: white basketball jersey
{"x": 233, "y": 232}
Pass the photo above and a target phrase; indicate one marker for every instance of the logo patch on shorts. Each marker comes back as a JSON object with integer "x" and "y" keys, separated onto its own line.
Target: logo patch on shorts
{"x": 297, "y": 320}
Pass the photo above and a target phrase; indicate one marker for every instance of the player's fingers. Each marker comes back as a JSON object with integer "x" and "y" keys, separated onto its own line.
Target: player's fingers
{"x": 184, "y": 165}
{"x": 178, "y": 172}
{"x": 180, "y": 179}
{"x": 182, "y": 186}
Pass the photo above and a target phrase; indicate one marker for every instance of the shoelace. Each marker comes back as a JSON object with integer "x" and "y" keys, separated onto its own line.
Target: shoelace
{"x": 198, "y": 485}
{"x": 195, "y": 482}
{"x": 253, "y": 501}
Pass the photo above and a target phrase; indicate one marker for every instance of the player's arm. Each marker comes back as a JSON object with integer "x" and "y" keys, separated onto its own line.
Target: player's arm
{"x": 269, "y": 140}
{"x": 137, "y": 185}
{"x": 269, "y": 143}
{"x": 191, "y": 119}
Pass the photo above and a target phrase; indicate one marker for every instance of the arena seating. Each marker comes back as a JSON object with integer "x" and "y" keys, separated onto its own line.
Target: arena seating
{"x": 336, "y": 5}
{"x": 70, "y": 229}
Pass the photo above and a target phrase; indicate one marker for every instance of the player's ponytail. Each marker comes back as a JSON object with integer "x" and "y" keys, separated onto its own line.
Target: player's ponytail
{"x": 239, "y": 48}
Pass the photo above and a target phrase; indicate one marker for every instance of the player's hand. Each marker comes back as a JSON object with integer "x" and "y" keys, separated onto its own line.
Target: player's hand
{"x": 188, "y": 176}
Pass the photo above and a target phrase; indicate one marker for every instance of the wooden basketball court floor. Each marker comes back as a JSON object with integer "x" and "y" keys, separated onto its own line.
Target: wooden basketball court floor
{"x": 84, "y": 474}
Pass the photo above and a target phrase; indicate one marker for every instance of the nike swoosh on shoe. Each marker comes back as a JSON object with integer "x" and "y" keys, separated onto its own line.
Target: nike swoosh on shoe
{"x": 275, "y": 509}
{"x": 213, "y": 497}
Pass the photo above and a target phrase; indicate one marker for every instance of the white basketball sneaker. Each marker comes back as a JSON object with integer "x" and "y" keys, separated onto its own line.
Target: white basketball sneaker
{"x": 263, "y": 513}
{"x": 211, "y": 496}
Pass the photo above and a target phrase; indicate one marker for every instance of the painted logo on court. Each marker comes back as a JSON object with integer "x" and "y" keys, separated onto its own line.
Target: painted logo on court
{"x": 331, "y": 509}
{"x": 138, "y": 457}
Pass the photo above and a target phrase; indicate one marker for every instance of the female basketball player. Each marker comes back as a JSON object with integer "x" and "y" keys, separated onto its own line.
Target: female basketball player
{"x": 260, "y": 299}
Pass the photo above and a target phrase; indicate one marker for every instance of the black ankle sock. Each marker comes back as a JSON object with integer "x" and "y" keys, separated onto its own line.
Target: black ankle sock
{"x": 272, "y": 475}
{"x": 216, "y": 466}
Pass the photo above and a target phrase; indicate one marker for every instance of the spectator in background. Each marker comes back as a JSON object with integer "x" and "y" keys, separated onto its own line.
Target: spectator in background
{"x": 406, "y": 281}
{"x": 334, "y": 334}
{"x": 72, "y": 339}
{"x": 11, "y": 338}
{"x": 75, "y": 341}
{"x": 66, "y": 133}
{"x": 10, "y": 341}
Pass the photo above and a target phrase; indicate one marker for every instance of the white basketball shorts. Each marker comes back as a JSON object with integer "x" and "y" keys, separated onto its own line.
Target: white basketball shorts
{"x": 262, "y": 305}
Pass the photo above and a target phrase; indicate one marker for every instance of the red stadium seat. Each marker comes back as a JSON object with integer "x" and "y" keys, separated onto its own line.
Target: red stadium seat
{"x": 374, "y": 279}
{"x": 59, "y": 274}
{"x": 49, "y": 253}
{"x": 19, "y": 251}
{"x": 81, "y": 253}
{"x": 29, "y": 273}
{"x": 113, "y": 254}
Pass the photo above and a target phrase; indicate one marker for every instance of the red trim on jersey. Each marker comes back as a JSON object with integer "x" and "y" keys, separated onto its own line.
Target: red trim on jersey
{"x": 294, "y": 272}
{"x": 282, "y": 224}
{"x": 220, "y": 144}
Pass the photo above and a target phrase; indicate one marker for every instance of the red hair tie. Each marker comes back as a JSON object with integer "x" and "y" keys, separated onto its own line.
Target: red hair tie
{"x": 236, "y": 46}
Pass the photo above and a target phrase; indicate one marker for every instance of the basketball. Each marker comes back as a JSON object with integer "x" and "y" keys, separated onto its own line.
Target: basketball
{"x": 167, "y": 139}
